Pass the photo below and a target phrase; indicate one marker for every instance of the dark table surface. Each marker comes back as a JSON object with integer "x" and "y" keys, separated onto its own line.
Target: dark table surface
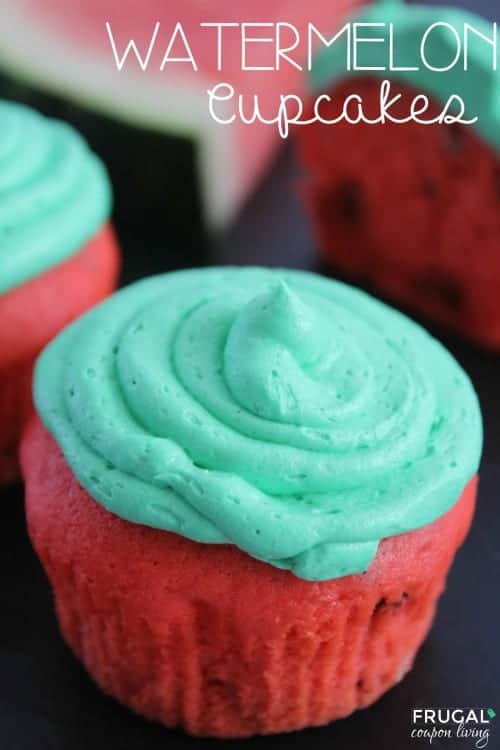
{"x": 47, "y": 702}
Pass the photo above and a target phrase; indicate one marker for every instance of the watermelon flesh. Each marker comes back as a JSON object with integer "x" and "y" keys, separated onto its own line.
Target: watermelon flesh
{"x": 64, "y": 49}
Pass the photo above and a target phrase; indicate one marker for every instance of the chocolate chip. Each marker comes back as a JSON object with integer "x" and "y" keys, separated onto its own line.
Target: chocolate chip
{"x": 348, "y": 199}
{"x": 438, "y": 284}
{"x": 454, "y": 136}
{"x": 382, "y": 603}
{"x": 401, "y": 601}
{"x": 430, "y": 188}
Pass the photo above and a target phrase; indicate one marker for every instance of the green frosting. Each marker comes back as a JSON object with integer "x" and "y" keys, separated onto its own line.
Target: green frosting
{"x": 292, "y": 416}
{"x": 54, "y": 194}
{"x": 478, "y": 86}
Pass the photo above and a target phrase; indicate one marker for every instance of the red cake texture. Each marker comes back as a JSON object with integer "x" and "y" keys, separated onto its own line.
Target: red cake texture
{"x": 32, "y": 314}
{"x": 414, "y": 210}
{"x": 210, "y": 639}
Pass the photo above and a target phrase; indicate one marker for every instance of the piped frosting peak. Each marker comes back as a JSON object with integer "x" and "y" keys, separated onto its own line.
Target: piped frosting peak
{"x": 290, "y": 415}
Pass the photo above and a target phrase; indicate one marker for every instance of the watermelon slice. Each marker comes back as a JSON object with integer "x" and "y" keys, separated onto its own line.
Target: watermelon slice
{"x": 64, "y": 49}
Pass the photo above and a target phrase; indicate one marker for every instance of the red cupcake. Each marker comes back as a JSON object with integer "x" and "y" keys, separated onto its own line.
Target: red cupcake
{"x": 59, "y": 255}
{"x": 411, "y": 208}
{"x": 253, "y": 490}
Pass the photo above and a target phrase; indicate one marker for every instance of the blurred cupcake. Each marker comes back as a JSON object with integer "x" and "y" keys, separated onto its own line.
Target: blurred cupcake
{"x": 412, "y": 209}
{"x": 58, "y": 252}
{"x": 247, "y": 491}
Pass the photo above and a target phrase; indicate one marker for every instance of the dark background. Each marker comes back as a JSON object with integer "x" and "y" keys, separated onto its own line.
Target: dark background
{"x": 46, "y": 700}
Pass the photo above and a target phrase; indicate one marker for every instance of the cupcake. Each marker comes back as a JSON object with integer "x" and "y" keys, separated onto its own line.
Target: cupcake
{"x": 247, "y": 488}
{"x": 58, "y": 253}
{"x": 412, "y": 209}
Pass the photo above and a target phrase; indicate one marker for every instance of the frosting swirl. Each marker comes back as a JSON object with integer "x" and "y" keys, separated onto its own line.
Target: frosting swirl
{"x": 290, "y": 415}
{"x": 54, "y": 194}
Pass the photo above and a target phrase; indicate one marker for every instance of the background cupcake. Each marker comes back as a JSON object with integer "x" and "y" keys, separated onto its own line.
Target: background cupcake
{"x": 411, "y": 209}
{"x": 305, "y": 458}
{"x": 58, "y": 253}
